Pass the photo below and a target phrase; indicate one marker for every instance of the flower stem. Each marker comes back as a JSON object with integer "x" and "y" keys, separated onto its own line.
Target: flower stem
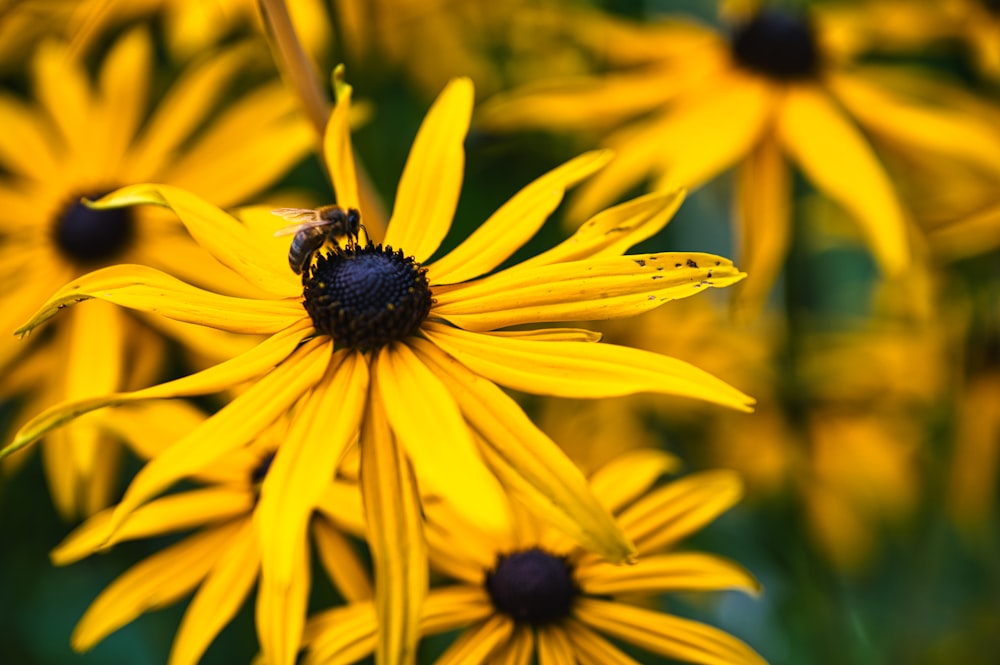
{"x": 295, "y": 63}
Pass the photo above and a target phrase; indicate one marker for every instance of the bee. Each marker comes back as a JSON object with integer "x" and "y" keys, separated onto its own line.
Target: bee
{"x": 314, "y": 228}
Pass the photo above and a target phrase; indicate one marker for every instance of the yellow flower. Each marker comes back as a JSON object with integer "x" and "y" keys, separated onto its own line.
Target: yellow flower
{"x": 685, "y": 103}
{"x": 221, "y": 557}
{"x": 369, "y": 340}
{"x": 84, "y": 139}
{"x": 529, "y": 592}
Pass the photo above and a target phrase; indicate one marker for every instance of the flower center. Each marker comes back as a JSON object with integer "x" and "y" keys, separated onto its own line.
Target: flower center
{"x": 90, "y": 237}
{"x": 532, "y": 586}
{"x": 366, "y": 296}
{"x": 778, "y": 45}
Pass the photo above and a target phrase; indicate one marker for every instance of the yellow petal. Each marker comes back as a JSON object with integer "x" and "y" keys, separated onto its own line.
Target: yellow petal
{"x": 173, "y": 513}
{"x": 613, "y": 231}
{"x": 244, "y": 367}
{"x": 152, "y": 583}
{"x": 682, "y": 571}
{"x": 150, "y": 290}
{"x": 233, "y": 426}
{"x": 530, "y": 465}
{"x": 448, "y": 608}
{"x": 181, "y": 109}
{"x": 282, "y": 606}
{"x": 696, "y": 140}
{"x": 839, "y": 161}
{"x": 219, "y": 597}
{"x": 592, "y": 649}
{"x": 25, "y": 146}
{"x": 222, "y": 235}
{"x": 519, "y": 649}
{"x": 514, "y": 223}
{"x": 476, "y": 645}
{"x": 340, "y": 560}
{"x": 574, "y": 369}
{"x": 591, "y": 289}
{"x": 432, "y": 178}
{"x": 61, "y": 85}
{"x": 673, "y": 512}
{"x": 337, "y": 146}
{"x": 395, "y": 536}
{"x": 323, "y": 425}
{"x": 341, "y": 636}
{"x": 629, "y": 475}
{"x": 444, "y": 457}
{"x": 249, "y": 145}
{"x": 916, "y": 127}
{"x": 763, "y": 193}
{"x": 663, "y": 634}
{"x": 554, "y": 647}
{"x": 124, "y": 90}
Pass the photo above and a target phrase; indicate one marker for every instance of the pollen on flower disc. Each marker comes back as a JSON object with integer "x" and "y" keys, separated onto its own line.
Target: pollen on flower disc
{"x": 366, "y": 297}
{"x": 91, "y": 237}
{"x": 532, "y": 586}
{"x": 780, "y": 45}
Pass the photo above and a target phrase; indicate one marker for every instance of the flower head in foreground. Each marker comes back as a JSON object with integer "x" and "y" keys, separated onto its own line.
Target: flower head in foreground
{"x": 82, "y": 139}
{"x": 374, "y": 348}
{"x": 686, "y": 103}
{"x": 529, "y": 591}
{"x": 220, "y": 558}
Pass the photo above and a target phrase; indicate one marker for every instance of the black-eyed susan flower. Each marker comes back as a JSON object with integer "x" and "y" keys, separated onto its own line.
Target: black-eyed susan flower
{"x": 78, "y": 139}
{"x": 529, "y": 593}
{"x": 684, "y": 103}
{"x": 219, "y": 560}
{"x": 370, "y": 340}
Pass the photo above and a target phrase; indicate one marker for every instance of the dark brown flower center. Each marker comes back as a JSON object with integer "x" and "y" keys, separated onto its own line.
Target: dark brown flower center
{"x": 366, "y": 297}
{"x": 779, "y": 45}
{"x": 532, "y": 586}
{"x": 92, "y": 238}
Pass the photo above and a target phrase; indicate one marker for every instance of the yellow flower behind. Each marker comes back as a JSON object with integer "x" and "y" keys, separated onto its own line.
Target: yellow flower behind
{"x": 683, "y": 103}
{"x": 82, "y": 138}
{"x": 369, "y": 340}
{"x": 220, "y": 559}
{"x": 529, "y": 592}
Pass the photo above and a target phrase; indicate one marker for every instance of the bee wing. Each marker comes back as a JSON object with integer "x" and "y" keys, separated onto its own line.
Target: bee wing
{"x": 305, "y": 217}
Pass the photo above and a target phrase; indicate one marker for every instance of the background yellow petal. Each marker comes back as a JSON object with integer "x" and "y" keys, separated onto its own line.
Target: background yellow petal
{"x": 341, "y": 636}
{"x": 219, "y": 597}
{"x": 679, "y": 571}
{"x": 478, "y": 642}
{"x": 667, "y": 635}
{"x": 629, "y": 475}
{"x": 836, "y": 157}
{"x": 124, "y": 95}
{"x": 673, "y": 512}
{"x": 554, "y": 647}
{"x": 152, "y": 583}
{"x": 282, "y": 606}
{"x": 763, "y": 192}
{"x": 514, "y": 223}
{"x": 432, "y": 178}
{"x": 181, "y": 109}
{"x": 592, "y": 649}
{"x": 169, "y": 514}
{"x": 587, "y": 290}
{"x": 574, "y": 369}
{"x": 26, "y": 149}
{"x": 341, "y": 562}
